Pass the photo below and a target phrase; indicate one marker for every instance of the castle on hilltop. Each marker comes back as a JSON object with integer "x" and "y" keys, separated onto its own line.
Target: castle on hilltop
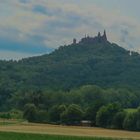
{"x": 97, "y": 39}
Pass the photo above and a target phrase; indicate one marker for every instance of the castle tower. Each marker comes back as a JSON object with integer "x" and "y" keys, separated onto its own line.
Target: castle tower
{"x": 74, "y": 41}
{"x": 104, "y": 36}
{"x": 99, "y": 37}
{"x": 99, "y": 34}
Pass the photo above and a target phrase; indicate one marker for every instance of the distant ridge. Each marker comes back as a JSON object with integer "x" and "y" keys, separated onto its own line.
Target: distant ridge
{"x": 92, "y": 60}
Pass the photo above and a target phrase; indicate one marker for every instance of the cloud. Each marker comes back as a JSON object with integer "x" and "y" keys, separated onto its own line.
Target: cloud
{"x": 44, "y": 25}
{"x": 41, "y": 9}
{"x": 125, "y": 38}
{"x": 24, "y": 1}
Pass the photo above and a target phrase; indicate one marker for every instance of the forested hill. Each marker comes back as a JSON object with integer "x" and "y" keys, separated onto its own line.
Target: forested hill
{"x": 90, "y": 61}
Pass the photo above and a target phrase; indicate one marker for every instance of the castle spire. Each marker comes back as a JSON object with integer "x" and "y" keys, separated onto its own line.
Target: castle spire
{"x": 99, "y": 34}
{"x": 104, "y": 36}
{"x": 99, "y": 37}
{"x": 74, "y": 41}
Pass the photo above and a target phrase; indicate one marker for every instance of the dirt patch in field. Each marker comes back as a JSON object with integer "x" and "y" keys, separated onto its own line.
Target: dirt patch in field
{"x": 65, "y": 130}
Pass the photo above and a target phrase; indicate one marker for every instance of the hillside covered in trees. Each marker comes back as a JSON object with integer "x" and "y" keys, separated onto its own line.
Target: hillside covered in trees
{"x": 90, "y": 61}
{"x": 88, "y": 80}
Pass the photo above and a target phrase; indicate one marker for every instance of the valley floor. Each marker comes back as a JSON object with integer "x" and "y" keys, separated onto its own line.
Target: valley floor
{"x": 67, "y": 130}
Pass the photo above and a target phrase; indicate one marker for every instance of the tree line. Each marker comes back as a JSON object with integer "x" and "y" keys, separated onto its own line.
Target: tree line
{"x": 106, "y": 116}
{"x": 102, "y": 107}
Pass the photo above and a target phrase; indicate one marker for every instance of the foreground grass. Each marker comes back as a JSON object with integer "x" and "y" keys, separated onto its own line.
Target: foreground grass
{"x": 25, "y": 136}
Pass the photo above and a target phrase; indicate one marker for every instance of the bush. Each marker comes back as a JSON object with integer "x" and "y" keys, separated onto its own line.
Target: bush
{"x": 41, "y": 116}
{"x": 92, "y": 110}
{"x": 118, "y": 120}
{"x": 30, "y": 112}
{"x": 5, "y": 115}
{"x": 132, "y": 121}
{"x": 55, "y": 113}
{"x": 72, "y": 115}
{"x": 105, "y": 115}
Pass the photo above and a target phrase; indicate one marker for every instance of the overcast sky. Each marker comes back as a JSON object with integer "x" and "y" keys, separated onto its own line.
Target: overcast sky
{"x": 34, "y": 27}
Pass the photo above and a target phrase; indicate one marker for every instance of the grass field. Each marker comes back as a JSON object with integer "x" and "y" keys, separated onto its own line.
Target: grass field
{"x": 22, "y": 136}
{"x": 28, "y": 128}
{"x": 131, "y": 110}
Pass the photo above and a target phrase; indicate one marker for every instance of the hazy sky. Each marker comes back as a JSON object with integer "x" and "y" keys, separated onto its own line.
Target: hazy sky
{"x": 33, "y": 27}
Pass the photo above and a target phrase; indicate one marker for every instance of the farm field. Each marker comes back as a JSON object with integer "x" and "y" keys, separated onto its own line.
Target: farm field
{"x": 22, "y": 136}
{"x": 66, "y": 131}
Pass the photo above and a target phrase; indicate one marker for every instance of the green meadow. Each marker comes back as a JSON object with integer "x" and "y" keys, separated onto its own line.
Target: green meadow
{"x": 25, "y": 136}
{"x": 131, "y": 110}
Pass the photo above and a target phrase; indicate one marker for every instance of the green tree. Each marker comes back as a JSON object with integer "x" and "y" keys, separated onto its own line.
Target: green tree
{"x": 119, "y": 119}
{"x": 105, "y": 115}
{"x": 130, "y": 121}
{"x": 42, "y": 116}
{"x": 92, "y": 110}
{"x": 138, "y": 119}
{"x": 55, "y": 113}
{"x": 73, "y": 115}
{"x": 30, "y": 112}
